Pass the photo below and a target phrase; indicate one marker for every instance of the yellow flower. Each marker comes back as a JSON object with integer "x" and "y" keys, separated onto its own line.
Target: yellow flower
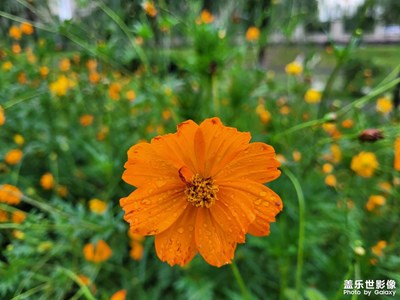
{"x": 130, "y": 95}
{"x": 296, "y": 155}
{"x": 61, "y": 86}
{"x": 7, "y": 66}
{"x": 364, "y": 164}
{"x": 384, "y": 105}
{"x": 19, "y": 139}
{"x": 26, "y": 28}
{"x": 294, "y": 68}
{"x": 16, "y": 48}
{"x": 2, "y": 116}
{"x": 64, "y": 64}
{"x": 14, "y": 32}
{"x": 119, "y": 295}
{"x": 97, "y": 206}
{"x": 18, "y": 217}
{"x": 13, "y": 156}
{"x": 327, "y": 168}
{"x": 18, "y": 234}
{"x": 375, "y": 200}
{"x": 312, "y": 96}
{"x": 149, "y": 8}
{"x": 252, "y": 34}
{"x": 44, "y": 71}
{"x": 91, "y": 65}
{"x": 10, "y": 194}
{"x": 336, "y": 153}
{"x": 284, "y": 110}
{"x": 263, "y": 113}
{"x": 47, "y": 181}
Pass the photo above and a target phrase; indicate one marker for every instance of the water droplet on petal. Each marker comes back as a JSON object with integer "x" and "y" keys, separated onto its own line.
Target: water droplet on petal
{"x": 160, "y": 183}
{"x": 258, "y": 201}
{"x": 181, "y": 230}
{"x": 262, "y": 194}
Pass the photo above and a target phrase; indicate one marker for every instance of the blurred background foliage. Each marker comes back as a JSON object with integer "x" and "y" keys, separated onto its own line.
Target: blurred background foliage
{"x": 77, "y": 93}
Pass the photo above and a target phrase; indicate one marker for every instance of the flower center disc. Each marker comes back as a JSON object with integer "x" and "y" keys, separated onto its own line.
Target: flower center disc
{"x": 201, "y": 192}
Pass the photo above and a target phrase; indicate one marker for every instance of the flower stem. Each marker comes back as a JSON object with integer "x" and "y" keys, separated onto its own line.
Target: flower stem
{"x": 300, "y": 248}
{"x": 240, "y": 282}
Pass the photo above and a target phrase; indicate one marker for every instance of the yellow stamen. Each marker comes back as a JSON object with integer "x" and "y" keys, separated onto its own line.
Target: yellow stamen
{"x": 201, "y": 192}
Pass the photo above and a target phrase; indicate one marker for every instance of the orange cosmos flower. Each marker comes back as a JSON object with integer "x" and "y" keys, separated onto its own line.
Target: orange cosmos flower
{"x": 98, "y": 252}
{"x": 205, "y": 17}
{"x": 13, "y": 156}
{"x": 2, "y": 116}
{"x": 119, "y": 295}
{"x": 26, "y": 28}
{"x": 64, "y": 64}
{"x": 201, "y": 190}
{"x": 10, "y": 194}
{"x": 397, "y": 154}
{"x": 252, "y": 34}
{"x": 15, "y": 33}
{"x": 86, "y": 120}
{"x": 18, "y": 217}
{"x": 149, "y": 8}
{"x": 114, "y": 91}
{"x": 375, "y": 200}
{"x": 377, "y": 249}
{"x": 47, "y": 181}
{"x": 97, "y": 206}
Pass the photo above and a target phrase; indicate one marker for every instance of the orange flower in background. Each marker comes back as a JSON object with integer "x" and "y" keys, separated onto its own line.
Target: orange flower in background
{"x": 10, "y": 194}
{"x": 61, "y": 86}
{"x": 336, "y": 153}
{"x": 130, "y": 95}
{"x": 149, "y": 8}
{"x": 98, "y": 252}
{"x": 375, "y": 200}
{"x": 15, "y": 32}
{"x": 384, "y": 105}
{"x": 7, "y": 66}
{"x": 64, "y": 64}
{"x": 44, "y": 71}
{"x": 201, "y": 190}
{"x": 13, "y": 156}
{"x": 330, "y": 180}
{"x": 312, "y": 96}
{"x": 205, "y": 17}
{"x": 364, "y": 164}
{"x": 16, "y": 48}
{"x": 18, "y": 217}
{"x": 47, "y": 181}
{"x": 348, "y": 123}
{"x": 252, "y": 34}
{"x": 26, "y": 28}
{"x": 2, "y": 116}
{"x": 114, "y": 91}
{"x": 119, "y": 295}
{"x": 397, "y": 154}
{"x": 3, "y": 216}
{"x": 86, "y": 120}
{"x": 136, "y": 252}
{"x": 294, "y": 68}
{"x": 377, "y": 249}
{"x": 97, "y": 206}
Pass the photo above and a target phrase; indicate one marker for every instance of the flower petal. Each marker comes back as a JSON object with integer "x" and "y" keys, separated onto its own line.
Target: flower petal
{"x": 266, "y": 207}
{"x": 256, "y": 163}
{"x": 222, "y": 144}
{"x": 216, "y": 247}
{"x": 154, "y": 207}
{"x": 176, "y": 245}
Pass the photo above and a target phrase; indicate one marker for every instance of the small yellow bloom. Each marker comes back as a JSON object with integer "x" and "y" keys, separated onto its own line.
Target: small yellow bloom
{"x": 312, "y": 96}
{"x": 149, "y": 8}
{"x": 7, "y": 66}
{"x": 336, "y": 153}
{"x": 364, "y": 164}
{"x": 252, "y": 34}
{"x": 296, "y": 155}
{"x": 97, "y": 206}
{"x": 44, "y": 71}
{"x": 384, "y": 105}
{"x": 130, "y": 95}
{"x": 19, "y": 139}
{"x": 18, "y": 234}
{"x": 47, "y": 181}
{"x": 86, "y": 120}
{"x": 10, "y": 194}
{"x": 294, "y": 68}
{"x": 284, "y": 110}
{"x": 16, "y": 48}
{"x": 61, "y": 86}
{"x": 13, "y": 156}
{"x": 385, "y": 186}
{"x": 15, "y": 33}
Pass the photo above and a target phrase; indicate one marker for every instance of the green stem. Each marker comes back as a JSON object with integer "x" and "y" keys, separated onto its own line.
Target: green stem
{"x": 300, "y": 249}
{"x": 32, "y": 291}
{"x": 339, "y": 293}
{"x": 214, "y": 94}
{"x": 76, "y": 279}
{"x": 357, "y": 276}
{"x": 240, "y": 282}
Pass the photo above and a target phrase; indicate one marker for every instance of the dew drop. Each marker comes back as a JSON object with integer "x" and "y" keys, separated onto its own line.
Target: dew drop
{"x": 181, "y": 230}
{"x": 266, "y": 203}
{"x": 160, "y": 183}
{"x": 262, "y": 194}
{"x": 258, "y": 201}
{"x": 191, "y": 228}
